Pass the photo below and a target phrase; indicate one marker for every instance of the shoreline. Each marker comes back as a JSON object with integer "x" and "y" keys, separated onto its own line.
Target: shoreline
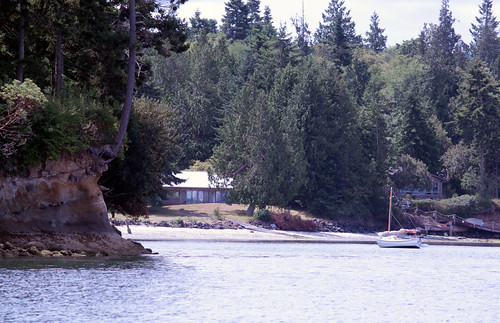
{"x": 67, "y": 245}
{"x": 255, "y": 234}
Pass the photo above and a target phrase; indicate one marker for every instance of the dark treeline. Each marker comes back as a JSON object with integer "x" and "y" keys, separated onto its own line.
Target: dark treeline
{"x": 64, "y": 69}
{"x": 325, "y": 119}
{"x": 318, "y": 118}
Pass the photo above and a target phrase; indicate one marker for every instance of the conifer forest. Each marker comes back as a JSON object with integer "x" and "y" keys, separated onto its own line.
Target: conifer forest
{"x": 316, "y": 117}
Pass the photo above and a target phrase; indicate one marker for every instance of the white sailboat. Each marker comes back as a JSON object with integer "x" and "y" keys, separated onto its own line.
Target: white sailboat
{"x": 403, "y": 238}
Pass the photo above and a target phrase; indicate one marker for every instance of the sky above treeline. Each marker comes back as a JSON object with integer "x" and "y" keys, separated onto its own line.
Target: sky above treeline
{"x": 401, "y": 19}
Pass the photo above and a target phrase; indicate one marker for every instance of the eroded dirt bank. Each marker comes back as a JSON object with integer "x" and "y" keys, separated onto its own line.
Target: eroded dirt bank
{"x": 60, "y": 205}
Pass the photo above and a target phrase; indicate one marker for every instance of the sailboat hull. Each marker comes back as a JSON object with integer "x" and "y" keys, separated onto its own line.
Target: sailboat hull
{"x": 394, "y": 242}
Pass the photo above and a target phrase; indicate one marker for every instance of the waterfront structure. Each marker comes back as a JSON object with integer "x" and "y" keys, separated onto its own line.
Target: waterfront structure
{"x": 196, "y": 188}
{"x": 436, "y": 193}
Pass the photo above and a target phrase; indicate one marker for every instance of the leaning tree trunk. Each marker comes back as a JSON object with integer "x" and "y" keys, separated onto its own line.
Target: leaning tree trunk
{"x": 129, "y": 94}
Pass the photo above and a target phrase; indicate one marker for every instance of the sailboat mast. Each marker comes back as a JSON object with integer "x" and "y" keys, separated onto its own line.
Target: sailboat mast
{"x": 390, "y": 206}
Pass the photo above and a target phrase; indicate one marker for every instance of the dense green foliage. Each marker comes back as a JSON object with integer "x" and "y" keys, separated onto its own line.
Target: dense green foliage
{"x": 150, "y": 146}
{"x": 85, "y": 85}
{"x": 463, "y": 205}
{"x": 19, "y": 104}
{"x": 263, "y": 215}
{"x": 68, "y": 124}
{"x": 326, "y": 124}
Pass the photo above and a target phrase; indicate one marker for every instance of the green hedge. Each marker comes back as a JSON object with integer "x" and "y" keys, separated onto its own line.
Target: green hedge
{"x": 464, "y": 206}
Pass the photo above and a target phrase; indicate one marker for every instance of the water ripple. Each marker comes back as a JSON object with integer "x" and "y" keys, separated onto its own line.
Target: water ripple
{"x": 238, "y": 282}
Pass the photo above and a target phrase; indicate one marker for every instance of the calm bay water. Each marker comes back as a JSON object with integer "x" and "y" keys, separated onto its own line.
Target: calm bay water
{"x": 258, "y": 282}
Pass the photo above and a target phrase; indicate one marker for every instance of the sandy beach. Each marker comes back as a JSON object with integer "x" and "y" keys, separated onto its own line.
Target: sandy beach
{"x": 255, "y": 234}
{"x": 149, "y": 233}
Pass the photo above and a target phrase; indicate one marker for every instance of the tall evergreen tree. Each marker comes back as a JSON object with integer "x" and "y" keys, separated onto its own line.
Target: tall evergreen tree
{"x": 14, "y": 21}
{"x": 485, "y": 38}
{"x": 375, "y": 137}
{"x": 198, "y": 84}
{"x": 199, "y": 101}
{"x": 199, "y": 24}
{"x": 407, "y": 99}
{"x": 415, "y": 136}
{"x": 440, "y": 55}
{"x": 375, "y": 38}
{"x": 57, "y": 21}
{"x": 338, "y": 31}
{"x": 286, "y": 47}
{"x": 478, "y": 118}
{"x": 265, "y": 50}
{"x": 253, "y": 152}
{"x": 267, "y": 18}
{"x": 303, "y": 39}
{"x": 327, "y": 123}
{"x": 444, "y": 40}
{"x": 254, "y": 12}
{"x": 357, "y": 74}
{"x": 236, "y": 23}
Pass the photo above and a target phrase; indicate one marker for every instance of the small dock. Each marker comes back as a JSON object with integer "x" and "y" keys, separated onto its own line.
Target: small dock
{"x": 439, "y": 222}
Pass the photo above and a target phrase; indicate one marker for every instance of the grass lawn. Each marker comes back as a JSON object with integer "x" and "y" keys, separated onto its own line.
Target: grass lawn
{"x": 203, "y": 212}
{"x": 200, "y": 212}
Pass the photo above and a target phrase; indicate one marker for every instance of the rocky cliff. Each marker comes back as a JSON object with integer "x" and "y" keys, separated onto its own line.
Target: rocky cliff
{"x": 60, "y": 199}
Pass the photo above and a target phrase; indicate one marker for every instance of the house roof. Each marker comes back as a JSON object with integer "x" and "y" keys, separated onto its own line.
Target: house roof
{"x": 438, "y": 177}
{"x": 195, "y": 179}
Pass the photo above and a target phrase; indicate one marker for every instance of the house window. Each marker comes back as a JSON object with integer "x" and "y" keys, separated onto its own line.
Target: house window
{"x": 202, "y": 196}
{"x": 220, "y": 197}
{"x": 190, "y": 197}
